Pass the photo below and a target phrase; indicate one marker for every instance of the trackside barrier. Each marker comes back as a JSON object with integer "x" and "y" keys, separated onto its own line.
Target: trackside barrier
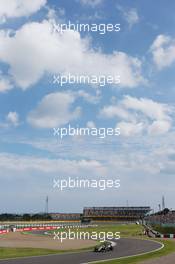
{"x": 4, "y": 232}
{"x": 168, "y": 236}
{"x": 44, "y": 228}
{"x": 36, "y": 228}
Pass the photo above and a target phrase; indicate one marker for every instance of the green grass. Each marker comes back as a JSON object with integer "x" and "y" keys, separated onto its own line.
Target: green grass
{"x": 169, "y": 247}
{"x": 23, "y": 252}
{"x": 6, "y": 253}
{"x": 130, "y": 230}
{"x": 164, "y": 229}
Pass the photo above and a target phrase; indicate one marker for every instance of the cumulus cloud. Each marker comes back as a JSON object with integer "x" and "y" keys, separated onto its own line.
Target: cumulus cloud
{"x": 148, "y": 107}
{"x": 5, "y": 84}
{"x": 90, "y": 124}
{"x": 159, "y": 127}
{"x": 93, "y": 99}
{"x": 19, "y": 8}
{"x": 91, "y": 3}
{"x": 140, "y": 115}
{"x": 130, "y": 129}
{"x": 53, "y": 110}
{"x": 13, "y": 118}
{"x": 130, "y": 15}
{"x": 163, "y": 51}
{"x": 17, "y": 163}
{"x": 44, "y": 51}
{"x": 53, "y": 14}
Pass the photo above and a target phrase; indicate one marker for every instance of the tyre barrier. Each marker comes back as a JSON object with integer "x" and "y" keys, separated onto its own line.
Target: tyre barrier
{"x": 45, "y": 228}
{"x": 42, "y": 228}
{"x": 4, "y": 232}
{"x": 168, "y": 236}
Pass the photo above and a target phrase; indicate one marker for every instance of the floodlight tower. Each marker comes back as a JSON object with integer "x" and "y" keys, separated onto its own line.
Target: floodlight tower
{"x": 47, "y": 205}
{"x": 159, "y": 207}
{"x": 163, "y": 202}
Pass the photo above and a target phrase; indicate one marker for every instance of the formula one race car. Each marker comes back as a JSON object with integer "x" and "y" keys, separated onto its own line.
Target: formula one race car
{"x": 103, "y": 247}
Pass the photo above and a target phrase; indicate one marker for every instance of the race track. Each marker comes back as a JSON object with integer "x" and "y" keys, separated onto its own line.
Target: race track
{"x": 125, "y": 247}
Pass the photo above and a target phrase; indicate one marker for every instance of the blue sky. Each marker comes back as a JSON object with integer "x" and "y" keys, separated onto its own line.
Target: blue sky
{"x": 142, "y": 53}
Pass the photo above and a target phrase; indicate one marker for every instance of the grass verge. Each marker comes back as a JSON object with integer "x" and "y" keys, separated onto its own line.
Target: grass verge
{"x": 24, "y": 252}
{"x": 126, "y": 230}
{"x": 6, "y": 253}
{"x": 131, "y": 230}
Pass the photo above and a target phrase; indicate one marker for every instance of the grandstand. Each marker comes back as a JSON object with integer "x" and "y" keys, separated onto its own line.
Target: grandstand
{"x": 89, "y": 214}
{"x": 115, "y": 213}
{"x": 162, "y": 217}
{"x": 66, "y": 216}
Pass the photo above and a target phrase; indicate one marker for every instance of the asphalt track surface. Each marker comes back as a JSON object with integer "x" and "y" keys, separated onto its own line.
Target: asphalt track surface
{"x": 125, "y": 247}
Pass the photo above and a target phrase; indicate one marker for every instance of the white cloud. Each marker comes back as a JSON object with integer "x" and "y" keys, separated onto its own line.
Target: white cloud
{"x": 56, "y": 14}
{"x": 159, "y": 127}
{"x": 12, "y": 118}
{"x": 19, "y": 8}
{"x": 54, "y": 110}
{"x": 5, "y": 84}
{"x": 42, "y": 51}
{"x": 90, "y": 17}
{"x": 163, "y": 51}
{"x": 130, "y": 15}
{"x": 130, "y": 129}
{"x": 90, "y": 124}
{"x": 148, "y": 107}
{"x": 114, "y": 110}
{"x": 92, "y": 3}
{"x": 93, "y": 99}
{"x": 139, "y": 165}
{"x": 60, "y": 167}
{"x": 140, "y": 115}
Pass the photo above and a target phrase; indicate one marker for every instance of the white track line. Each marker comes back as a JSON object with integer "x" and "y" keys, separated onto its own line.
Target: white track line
{"x": 141, "y": 254}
